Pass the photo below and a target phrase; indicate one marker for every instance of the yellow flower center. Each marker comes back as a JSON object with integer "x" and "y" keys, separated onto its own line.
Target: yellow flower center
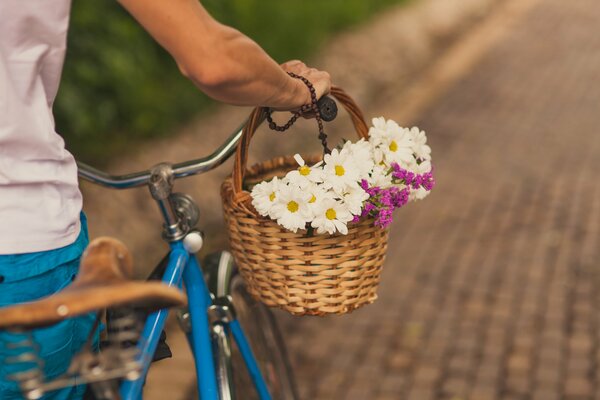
{"x": 339, "y": 170}
{"x": 312, "y": 199}
{"x": 292, "y": 206}
{"x": 304, "y": 170}
{"x": 272, "y": 196}
{"x": 393, "y": 146}
{"x": 330, "y": 214}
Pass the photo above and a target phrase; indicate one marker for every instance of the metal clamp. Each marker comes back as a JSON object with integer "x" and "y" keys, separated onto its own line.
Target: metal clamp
{"x": 161, "y": 181}
{"x": 221, "y": 311}
{"x": 161, "y": 188}
{"x": 184, "y": 319}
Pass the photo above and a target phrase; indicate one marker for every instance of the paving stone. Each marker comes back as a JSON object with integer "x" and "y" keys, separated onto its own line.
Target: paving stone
{"x": 456, "y": 386}
{"x": 421, "y": 394}
{"x": 580, "y": 344}
{"x": 548, "y": 375}
{"x": 518, "y": 364}
{"x": 387, "y": 397}
{"x": 550, "y": 354}
{"x": 545, "y": 395}
{"x": 518, "y": 384}
{"x": 578, "y": 387}
{"x": 579, "y": 366}
{"x": 400, "y": 361}
{"x": 489, "y": 374}
{"x": 485, "y": 392}
{"x": 359, "y": 392}
{"x": 426, "y": 376}
{"x": 435, "y": 351}
{"x": 461, "y": 364}
{"x": 393, "y": 385}
{"x": 524, "y": 343}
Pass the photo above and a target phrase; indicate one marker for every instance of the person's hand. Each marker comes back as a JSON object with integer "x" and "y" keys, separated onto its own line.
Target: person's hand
{"x": 301, "y": 95}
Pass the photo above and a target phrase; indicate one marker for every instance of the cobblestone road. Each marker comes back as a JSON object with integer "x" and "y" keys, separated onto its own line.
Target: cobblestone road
{"x": 491, "y": 286}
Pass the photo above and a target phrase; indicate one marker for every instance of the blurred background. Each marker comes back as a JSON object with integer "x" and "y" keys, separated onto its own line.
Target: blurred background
{"x": 490, "y": 288}
{"x": 121, "y": 88}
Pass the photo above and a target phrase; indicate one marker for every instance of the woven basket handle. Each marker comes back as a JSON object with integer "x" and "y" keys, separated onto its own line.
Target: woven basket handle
{"x": 258, "y": 115}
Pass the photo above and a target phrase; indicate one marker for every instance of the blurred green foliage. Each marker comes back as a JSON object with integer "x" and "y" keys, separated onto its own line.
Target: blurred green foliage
{"x": 119, "y": 86}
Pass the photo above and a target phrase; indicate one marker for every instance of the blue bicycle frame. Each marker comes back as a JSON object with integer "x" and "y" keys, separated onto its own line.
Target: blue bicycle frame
{"x": 183, "y": 270}
{"x": 183, "y": 267}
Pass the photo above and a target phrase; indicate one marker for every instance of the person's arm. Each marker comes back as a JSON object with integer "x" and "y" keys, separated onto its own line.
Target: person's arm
{"x": 222, "y": 62}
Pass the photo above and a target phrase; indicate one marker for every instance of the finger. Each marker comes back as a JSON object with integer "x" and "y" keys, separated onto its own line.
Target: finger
{"x": 309, "y": 115}
{"x": 291, "y": 62}
{"x": 294, "y": 66}
{"x": 322, "y": 83}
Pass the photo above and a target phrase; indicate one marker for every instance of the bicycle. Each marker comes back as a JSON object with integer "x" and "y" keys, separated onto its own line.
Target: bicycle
{"x": 210, "y": 320}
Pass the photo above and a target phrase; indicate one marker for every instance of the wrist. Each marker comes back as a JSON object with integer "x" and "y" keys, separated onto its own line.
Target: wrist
{"x": 291, "y": 94}
{"x": 299, "y": 94}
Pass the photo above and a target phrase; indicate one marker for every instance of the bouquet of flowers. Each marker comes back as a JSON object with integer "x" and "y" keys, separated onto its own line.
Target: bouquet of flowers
{"x": 358, "y": 179}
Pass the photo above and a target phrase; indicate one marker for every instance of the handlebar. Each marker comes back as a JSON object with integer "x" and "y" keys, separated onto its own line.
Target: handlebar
{"x": 327, "y": 109}
{"x": 180, "y": 170}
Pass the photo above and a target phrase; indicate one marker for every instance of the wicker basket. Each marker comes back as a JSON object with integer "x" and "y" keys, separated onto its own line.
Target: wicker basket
{"x": 305, "y": 275}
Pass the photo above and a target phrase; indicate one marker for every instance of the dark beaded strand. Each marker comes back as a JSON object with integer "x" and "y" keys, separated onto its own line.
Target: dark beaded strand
{"x": 313, "y": 106}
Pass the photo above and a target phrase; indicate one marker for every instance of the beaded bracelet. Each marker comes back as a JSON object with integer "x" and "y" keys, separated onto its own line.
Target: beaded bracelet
{"x": 313, "y": 106}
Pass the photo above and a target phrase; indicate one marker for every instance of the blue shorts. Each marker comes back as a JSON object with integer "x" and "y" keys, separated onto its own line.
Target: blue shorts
{"x": 31, "y": 276}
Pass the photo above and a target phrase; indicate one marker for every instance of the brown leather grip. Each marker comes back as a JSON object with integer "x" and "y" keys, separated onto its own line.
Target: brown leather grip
{"x": 258, "y": 115}
{"x": 105, "y": 259}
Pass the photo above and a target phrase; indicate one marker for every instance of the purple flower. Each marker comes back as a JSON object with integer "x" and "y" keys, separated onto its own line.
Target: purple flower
{"x": 413, "y": 180}
{"x": 386, "y": 198}
{"x": 382, "y": 202}
{"x": 373, "y": 191}
{"x": 428, "y": 181}
{"x": 401, "y": 197}
{"x": 384, "y": 218}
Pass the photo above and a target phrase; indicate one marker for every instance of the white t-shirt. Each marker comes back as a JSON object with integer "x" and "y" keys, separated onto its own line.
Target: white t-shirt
{"x": 40, "y": 200}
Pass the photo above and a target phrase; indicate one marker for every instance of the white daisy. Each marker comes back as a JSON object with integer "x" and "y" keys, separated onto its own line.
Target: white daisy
{"x": 332, "y": 216}
{"x": 317, "y": 195}
{"x": 362, "y": 153}
{"x": 390, "y": 142}
{"x": 264, "y": 195}
{"x": 380, "y": 176}
{"x": 416, "y": 168}
{"x": 397, "y": 147}
{"x": 420, "y": 147}
{"x": 305, "y": 175}
{"x": 380, "y": 129}
{"x": 353, "y": 197}
{"x": 423, "y": 167}
{"x": 291, "y": 208}
{"x": 339, "y": 171}
{"x": 417, "y": 194}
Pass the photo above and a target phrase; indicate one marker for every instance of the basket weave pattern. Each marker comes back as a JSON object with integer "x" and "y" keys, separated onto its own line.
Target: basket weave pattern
{"x": 302, "y": 274}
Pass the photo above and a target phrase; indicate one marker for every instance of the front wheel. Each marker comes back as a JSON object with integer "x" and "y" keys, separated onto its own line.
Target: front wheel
{"x": 260, "y": 328}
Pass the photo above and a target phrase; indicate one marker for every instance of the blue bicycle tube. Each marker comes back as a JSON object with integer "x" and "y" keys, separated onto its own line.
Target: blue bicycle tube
{"x": 199, "y": 300}
{"x": 250, "y": 360}
{"x": 131, "y": 390}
